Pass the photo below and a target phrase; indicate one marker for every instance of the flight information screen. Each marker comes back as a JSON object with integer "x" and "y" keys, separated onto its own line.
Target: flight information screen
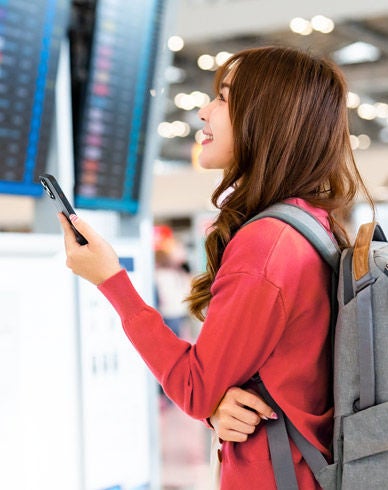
{"x": 113, "y": 130}
{"x": 30, "y": 37}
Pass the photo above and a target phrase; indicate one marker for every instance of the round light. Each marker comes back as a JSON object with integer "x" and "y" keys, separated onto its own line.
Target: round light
{"x": 175, "y": 43}
{"x": 206, "y": 62}
{"x": 322, "y": 24}
{"x": 199, "y": 136}
{"x": 165, "y": 130}
{"x": 200, "y": 99}
{"x": 178, "y": 99}
{"x": 307, "y": 30}
{"x": 221, "y": 57}
{"x": 174, "y": 74}
{"x": 367, "y": 111}
{"x": 300, "y": 26}
{"x": 184, "y": 101}
{"x": 187, "y": 103}
{"x": 353, "y": 100}
{"x": 381, "y": 110}
{"x": 180, "y": 128}
{"x": 363, "y": 141}
{"x": 354, "y": 143}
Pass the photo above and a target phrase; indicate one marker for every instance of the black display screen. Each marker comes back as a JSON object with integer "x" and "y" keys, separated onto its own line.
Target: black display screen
{"x": 31, "y": 32}
{"x": 113, "y": 126}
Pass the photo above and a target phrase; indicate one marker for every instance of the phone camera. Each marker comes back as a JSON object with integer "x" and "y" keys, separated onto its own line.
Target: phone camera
{"x": 45, "y": 187}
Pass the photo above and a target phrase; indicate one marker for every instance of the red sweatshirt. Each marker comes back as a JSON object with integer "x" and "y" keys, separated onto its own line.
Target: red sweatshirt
{"x": 269, "y": 312}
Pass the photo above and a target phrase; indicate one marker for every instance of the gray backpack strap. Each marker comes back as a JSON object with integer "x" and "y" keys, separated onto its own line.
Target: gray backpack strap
{"x": 278, "y": 442}
{"x": 308, "y": 226}
{"x": 313, "y": 457}
{"x": 278, "y": 433}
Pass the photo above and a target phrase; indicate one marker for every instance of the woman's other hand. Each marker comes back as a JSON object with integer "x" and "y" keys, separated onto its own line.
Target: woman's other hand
{"x": 238, "y": 414}
{"x": 96, "y": 261}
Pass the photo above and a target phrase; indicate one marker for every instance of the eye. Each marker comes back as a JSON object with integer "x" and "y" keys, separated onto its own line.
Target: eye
{"x": 221, "y": 97}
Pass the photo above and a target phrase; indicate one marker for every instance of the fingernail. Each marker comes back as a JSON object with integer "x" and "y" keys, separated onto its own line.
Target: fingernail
{"x": 273, "y": 416}
{"x": 73, "y": 217}
{"x": 263, "y": 417}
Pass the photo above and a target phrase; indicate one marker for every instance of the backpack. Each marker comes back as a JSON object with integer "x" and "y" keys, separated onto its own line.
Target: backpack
{"x": 359, "y": 326}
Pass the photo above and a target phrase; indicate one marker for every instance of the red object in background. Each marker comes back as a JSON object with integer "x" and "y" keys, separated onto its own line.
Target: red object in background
{"x": 163, "y": 237}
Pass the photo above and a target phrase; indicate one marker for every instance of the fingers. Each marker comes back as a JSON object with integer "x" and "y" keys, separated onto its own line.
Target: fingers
{"x": 233, "y": 436}
{"x": 231, "y": 429}
{"x": 96, "y": 261}
{"x": 84, "y": 228}
{"x": 239, "y": 413}
{"x": 68, "y": 232}
{"x": 252, "y": 401}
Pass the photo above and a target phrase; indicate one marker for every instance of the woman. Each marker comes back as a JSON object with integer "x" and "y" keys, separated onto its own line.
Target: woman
{"x": 279, "y": 129}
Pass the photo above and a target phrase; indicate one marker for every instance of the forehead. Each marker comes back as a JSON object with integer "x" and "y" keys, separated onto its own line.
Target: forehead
{"x": 228, "y": 77}
{"x": 226, "y": 81}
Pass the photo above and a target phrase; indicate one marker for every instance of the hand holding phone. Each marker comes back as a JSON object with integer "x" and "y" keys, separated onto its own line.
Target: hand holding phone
{"x": 55, "y": 193}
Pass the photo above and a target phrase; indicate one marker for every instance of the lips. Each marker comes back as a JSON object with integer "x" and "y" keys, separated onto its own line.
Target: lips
{"x": 207, "y": 138}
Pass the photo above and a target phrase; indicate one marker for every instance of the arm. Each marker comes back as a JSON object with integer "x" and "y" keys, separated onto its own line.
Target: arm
{"x": 228, "y": 351}
{"x": 238, "y": 414}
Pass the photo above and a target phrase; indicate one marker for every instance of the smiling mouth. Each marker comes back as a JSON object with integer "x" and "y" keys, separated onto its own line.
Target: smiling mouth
{"x": 206, "y": 138}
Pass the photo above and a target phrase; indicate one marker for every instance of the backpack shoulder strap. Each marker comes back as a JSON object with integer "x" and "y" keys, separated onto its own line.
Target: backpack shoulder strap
{"x": 308, "y": 226}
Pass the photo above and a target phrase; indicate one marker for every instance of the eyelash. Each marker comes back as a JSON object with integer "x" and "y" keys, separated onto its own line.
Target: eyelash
{"x": 221, "y": 97}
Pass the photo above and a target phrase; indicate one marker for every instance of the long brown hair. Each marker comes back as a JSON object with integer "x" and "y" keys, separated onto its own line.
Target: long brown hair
{"x": 291, "y": 139}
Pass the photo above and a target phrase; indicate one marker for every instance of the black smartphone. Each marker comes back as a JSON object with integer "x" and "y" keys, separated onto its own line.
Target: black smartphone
{"x": 55, "y": 193}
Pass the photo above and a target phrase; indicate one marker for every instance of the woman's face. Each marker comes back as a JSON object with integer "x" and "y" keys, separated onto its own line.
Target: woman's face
{"x": 217, "y": 143}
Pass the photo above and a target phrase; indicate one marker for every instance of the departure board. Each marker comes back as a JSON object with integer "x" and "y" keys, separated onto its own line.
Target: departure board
{"x": 30, "y": 35}
{"x": 114, "y": 122}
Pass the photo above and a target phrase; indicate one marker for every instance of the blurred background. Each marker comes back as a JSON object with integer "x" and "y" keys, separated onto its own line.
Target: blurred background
{"x": 104, "y": 94}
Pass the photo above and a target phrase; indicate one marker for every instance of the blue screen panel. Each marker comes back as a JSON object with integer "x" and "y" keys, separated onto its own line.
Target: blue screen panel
{"x": 30, "y": 37}
{"x": 114, "y": 123}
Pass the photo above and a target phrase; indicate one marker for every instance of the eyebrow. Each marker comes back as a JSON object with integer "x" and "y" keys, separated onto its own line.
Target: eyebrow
{"x": 225, "y": 85}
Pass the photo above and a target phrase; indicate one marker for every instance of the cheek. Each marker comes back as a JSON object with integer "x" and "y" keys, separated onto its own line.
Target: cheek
{"x": 230, "y": 141}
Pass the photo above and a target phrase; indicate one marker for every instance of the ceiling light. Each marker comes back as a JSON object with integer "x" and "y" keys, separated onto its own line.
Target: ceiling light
{"x": 174, "y": 74}
{"x": 363, "y": 141}
{"x": 367, "y": 111}
{"x": 200, "y": 99}
{"x": 199, "y": 136}
{"x": 206, "y": 62}
{"x": 322, "y": 24}
{"x": 222, "y": 56}
{"x": 381, "y": 110}
{"x": 353, "y": 100}
{"x": 175, "y": 43}
{"x": 301, "y": 26}
{"x": 180, "y": 128}
{"x": 165, "y": 130}
{"x": 358, "y": 52}
{"x": 354, "y": 143}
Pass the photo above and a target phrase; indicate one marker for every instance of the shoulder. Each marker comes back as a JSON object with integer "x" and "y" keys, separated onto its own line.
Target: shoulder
{"x": 269, "y": 246}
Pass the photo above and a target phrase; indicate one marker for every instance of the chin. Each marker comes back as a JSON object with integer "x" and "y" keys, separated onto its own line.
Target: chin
{"x": 210, "y": 165}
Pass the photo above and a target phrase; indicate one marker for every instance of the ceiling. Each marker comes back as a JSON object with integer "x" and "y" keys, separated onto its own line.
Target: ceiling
{"x": 368, "y": 79}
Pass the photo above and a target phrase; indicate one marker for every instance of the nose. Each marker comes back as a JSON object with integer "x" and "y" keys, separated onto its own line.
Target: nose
{"x": 203, "y": 112}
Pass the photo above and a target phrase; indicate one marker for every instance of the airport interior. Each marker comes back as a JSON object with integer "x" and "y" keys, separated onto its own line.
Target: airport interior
{"x": 104, "y": 95}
